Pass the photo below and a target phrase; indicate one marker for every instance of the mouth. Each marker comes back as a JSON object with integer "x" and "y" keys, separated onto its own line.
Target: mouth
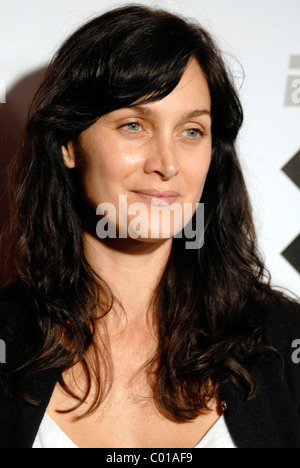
{"x": 158, "y": 197}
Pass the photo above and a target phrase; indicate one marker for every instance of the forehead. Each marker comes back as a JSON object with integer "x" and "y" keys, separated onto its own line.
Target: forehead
{"x": 193, "y": 77}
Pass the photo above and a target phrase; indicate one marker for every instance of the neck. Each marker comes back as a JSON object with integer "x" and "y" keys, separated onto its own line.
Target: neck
{"x": 132, "y": 270}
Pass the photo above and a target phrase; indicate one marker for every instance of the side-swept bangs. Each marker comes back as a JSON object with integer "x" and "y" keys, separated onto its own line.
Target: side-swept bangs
{"x": 109, "y": 64}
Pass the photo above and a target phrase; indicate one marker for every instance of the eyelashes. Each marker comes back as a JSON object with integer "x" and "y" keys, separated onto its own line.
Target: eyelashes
{"x": 194, "y": 133}
{"x": 132, "y": 126}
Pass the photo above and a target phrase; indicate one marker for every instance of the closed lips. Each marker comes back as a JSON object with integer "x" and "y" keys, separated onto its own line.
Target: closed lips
{"x": 158, "y": 193}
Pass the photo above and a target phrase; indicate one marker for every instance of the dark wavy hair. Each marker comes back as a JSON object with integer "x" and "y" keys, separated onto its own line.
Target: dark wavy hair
{"x": 209, "y": 305}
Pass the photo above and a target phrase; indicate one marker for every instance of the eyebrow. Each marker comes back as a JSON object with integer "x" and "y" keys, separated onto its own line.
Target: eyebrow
{"x": 195, "y": 113}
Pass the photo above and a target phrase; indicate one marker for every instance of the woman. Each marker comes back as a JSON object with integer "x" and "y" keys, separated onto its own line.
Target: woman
{"x": 118, "y": 339}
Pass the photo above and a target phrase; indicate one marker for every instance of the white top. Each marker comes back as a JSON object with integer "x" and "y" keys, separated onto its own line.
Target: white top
{"x": 218, "y": 436}
{"x": 50, "y": 435}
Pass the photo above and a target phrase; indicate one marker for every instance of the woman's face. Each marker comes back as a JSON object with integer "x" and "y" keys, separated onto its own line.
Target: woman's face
{"x": 155, "y": 154}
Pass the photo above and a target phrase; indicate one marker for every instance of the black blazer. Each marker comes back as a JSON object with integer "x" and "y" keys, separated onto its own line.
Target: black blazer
{"x": 270, "y": 420}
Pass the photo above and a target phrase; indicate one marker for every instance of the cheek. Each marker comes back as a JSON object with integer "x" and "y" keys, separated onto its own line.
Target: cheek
{"x": 108, "y": 163}
{"x": 197, "y": 174}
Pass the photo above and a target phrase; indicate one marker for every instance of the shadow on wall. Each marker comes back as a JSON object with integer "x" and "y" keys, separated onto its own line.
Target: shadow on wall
{"x": 13, "y": 116}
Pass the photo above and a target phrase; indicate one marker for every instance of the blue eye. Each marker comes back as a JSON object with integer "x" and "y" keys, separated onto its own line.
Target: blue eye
{"x": 193, "y": 132}
{"x": 133, "y": 126}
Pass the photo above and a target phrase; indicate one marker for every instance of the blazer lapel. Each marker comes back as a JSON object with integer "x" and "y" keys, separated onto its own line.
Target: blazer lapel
{"x": 270, "y": 419}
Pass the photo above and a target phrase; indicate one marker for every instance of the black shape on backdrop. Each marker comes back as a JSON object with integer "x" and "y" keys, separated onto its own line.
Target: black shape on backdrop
{"x": 292, "y": 169}
{"x": 292, "y": 252}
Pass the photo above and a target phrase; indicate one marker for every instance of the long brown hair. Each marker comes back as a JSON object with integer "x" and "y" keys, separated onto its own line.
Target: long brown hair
{"x": 210, "y": 303}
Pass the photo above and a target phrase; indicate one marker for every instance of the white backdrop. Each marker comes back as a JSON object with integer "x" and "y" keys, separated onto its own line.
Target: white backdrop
{"x": 261, "y": 40}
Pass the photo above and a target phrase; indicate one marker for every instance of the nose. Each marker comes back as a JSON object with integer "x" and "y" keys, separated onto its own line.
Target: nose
{"x": 162, "y": 158}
